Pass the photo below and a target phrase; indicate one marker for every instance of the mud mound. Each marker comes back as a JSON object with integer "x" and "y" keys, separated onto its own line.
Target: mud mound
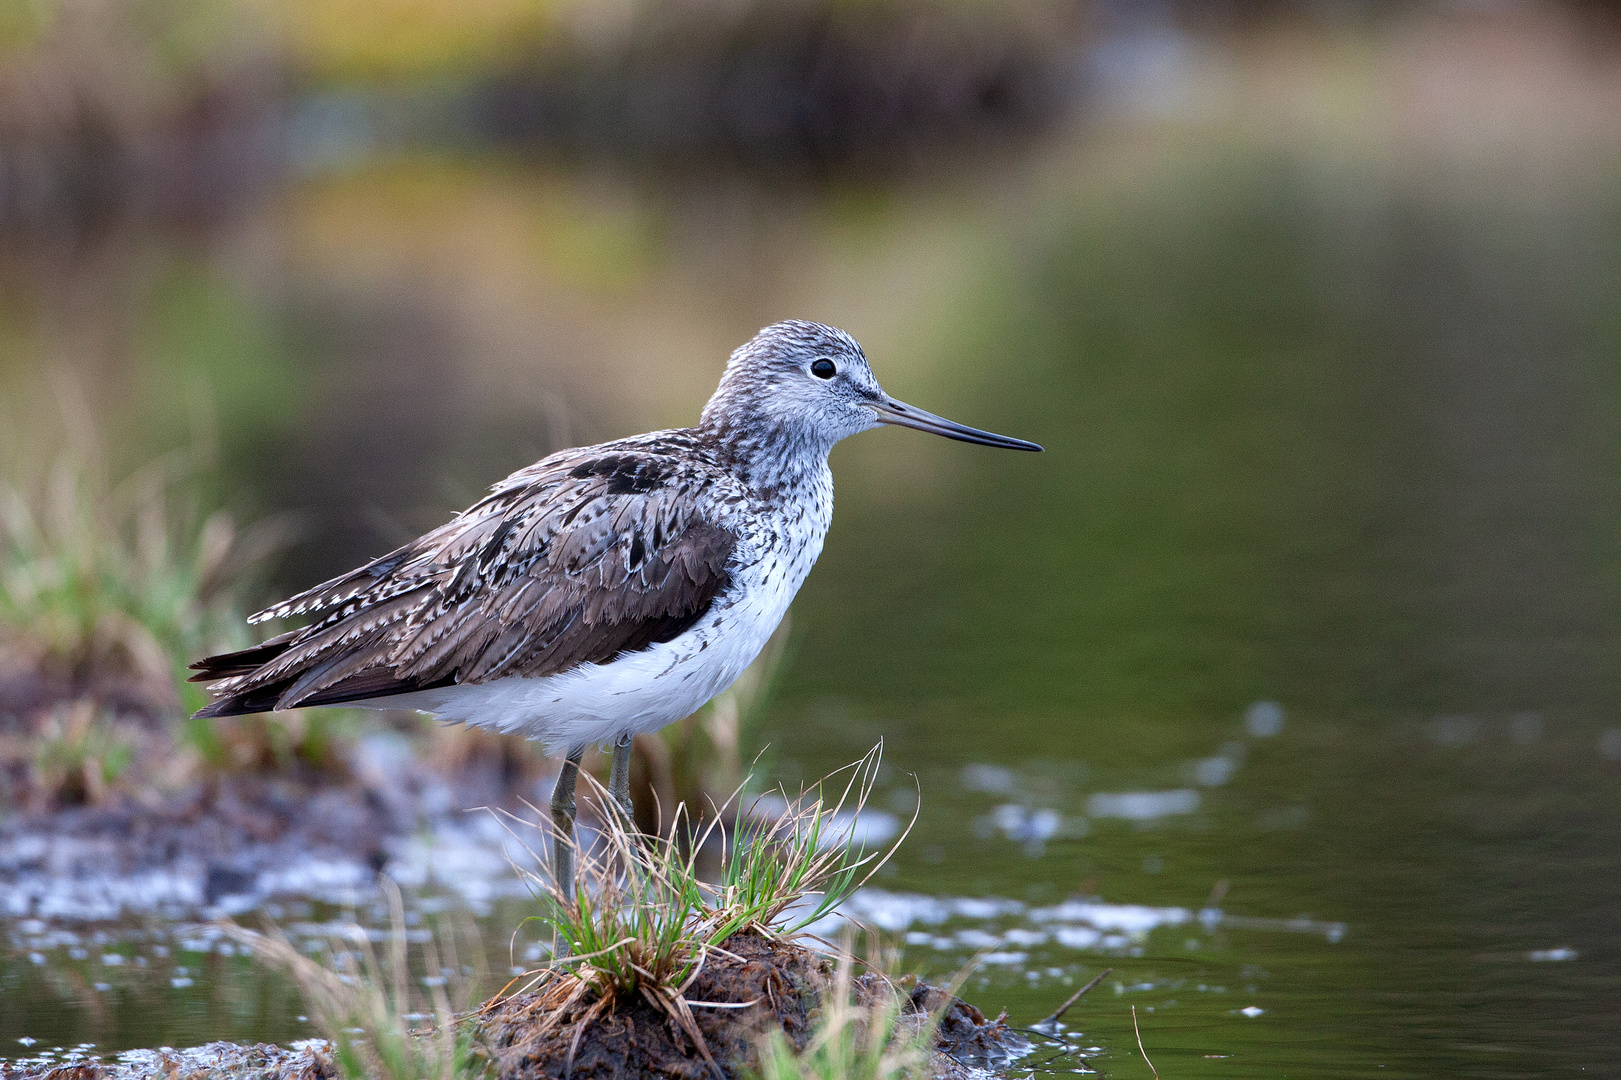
{"x": 779, "y": 984}
{"x": 773, "y": 984}
{"x": 965, "y": 1036}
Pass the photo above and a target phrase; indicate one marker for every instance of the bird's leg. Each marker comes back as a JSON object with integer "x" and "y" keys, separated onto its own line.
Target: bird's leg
{"x": 563, "y": 825}
{"x": 619, "y": 780}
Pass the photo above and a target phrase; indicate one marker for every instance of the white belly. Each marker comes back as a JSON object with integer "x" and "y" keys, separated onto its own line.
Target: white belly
{"x": 641, "y": 691}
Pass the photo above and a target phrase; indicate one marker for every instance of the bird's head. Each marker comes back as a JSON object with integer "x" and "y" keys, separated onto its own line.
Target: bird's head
{"x": 811, "y": 385}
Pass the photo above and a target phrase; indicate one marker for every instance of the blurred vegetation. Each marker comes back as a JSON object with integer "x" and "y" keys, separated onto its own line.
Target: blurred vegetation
{"x": 179, "y": 111}
{"x": 113, "y": 584}
{"x": 80, "y": 753}
{"x": 110, "y": 585}
{"x": 353, "y": 40}
{"x": 117, "y": 108}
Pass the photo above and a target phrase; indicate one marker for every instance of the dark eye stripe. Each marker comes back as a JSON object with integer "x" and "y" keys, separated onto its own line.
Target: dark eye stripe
{"x": 824, "y": 369}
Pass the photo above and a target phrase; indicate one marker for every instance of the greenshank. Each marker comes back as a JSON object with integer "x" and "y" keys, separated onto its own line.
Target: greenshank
{"x": 605, "y": 591}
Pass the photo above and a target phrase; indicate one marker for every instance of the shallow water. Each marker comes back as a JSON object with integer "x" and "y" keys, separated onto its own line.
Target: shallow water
{"x": 1385, "y": 905}
{"x": 1283, "y": 684}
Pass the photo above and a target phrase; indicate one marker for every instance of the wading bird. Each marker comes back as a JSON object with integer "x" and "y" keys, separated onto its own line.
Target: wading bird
{"x": 604, "y": 591}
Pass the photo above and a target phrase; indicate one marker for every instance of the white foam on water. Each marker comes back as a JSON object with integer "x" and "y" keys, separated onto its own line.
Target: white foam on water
{"x": 867, "y": 829}
{"x": 1004, "y": 925}
{"x": 477, "y": 858}
{"x": 1143, "y": 805}
{"x": 1030, "y": 827}
{"x": 1126, "y": 918}
{"x": 1553, "y": 955}
{"x": 100, "y": 896}
{"x": 1263, "y": 719}
{"x": 1332, "y": 932}
{"x": 995, "y": 779}
{"x": 74, "y": 880}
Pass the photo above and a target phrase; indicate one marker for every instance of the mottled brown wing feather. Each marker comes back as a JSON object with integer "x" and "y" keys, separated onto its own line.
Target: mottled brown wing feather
{"x": 575, "y": 560}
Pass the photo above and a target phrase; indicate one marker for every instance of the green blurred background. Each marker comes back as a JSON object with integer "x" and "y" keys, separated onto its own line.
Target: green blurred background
{"x": 1316, "y": 307}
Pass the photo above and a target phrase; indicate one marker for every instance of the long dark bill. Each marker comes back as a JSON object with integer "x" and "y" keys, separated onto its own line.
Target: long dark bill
{"x": 891, "y": 411}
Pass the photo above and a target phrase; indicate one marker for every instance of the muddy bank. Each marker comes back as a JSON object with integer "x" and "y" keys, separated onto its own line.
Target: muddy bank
{"x": 215, "y": 1061}
{"x": 232, "y": 842}
{"x": 751, "y": 986}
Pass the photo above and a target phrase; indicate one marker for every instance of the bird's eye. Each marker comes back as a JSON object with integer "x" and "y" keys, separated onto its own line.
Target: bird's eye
{"x": 824, "y": 369}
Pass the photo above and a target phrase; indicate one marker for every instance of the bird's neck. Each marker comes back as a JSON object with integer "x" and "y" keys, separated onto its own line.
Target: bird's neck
{"x": 768, "y": 457}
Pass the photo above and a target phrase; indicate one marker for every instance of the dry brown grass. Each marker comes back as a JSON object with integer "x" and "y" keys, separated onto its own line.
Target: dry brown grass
{"x": 383, "y": 1021}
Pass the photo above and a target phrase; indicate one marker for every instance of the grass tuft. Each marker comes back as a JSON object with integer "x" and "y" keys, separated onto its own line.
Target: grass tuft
{"x": 79, "y": 754}
{"x": 643, "y": 922}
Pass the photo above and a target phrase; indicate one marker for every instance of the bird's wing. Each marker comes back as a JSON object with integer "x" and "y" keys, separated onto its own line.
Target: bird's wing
{"x": 575, "y": 560}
